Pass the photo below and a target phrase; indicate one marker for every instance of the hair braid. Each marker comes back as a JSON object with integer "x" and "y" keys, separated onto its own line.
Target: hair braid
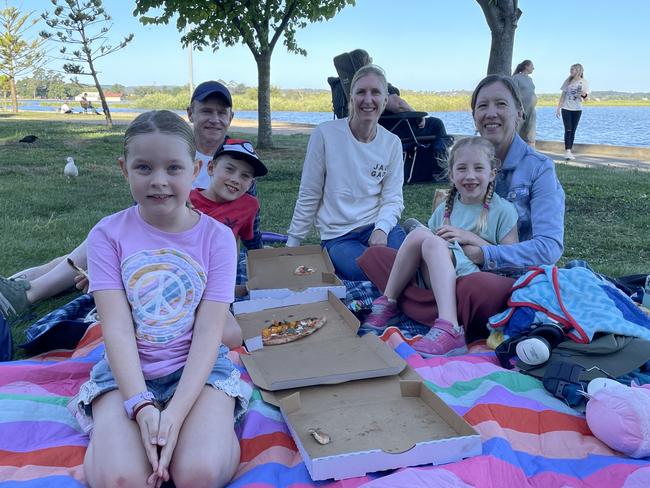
{"x": 449, "y": 204}
{"x": 482, "y": 220}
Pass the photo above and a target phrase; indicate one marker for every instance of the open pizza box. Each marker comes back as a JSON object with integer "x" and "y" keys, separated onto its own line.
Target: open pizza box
{"x": 272, "y": 278}
{"x": 374, "y": 425}
{"x": 332, "y": 354}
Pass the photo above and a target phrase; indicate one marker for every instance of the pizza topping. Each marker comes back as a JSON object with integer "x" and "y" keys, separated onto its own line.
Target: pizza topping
{"x": 283, "y": 331}
{"x": 303, "y": 270}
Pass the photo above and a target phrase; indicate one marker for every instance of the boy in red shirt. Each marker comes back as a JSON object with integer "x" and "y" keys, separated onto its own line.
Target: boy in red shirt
{"x": 232, "y": 171}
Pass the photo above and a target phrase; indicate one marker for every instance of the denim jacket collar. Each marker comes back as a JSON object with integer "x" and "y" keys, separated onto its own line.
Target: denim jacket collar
{"x": 516, "y": 153}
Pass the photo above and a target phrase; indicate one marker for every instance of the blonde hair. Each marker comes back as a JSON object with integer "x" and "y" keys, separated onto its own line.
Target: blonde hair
{"x": 163, "y": 121}
{"x": 368, "y": 69}
{"x": 580, "y": 74}
{"x": 481, "y": 146}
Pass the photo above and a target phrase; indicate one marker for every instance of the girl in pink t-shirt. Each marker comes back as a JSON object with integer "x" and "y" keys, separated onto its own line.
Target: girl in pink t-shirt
{"x": 165, "y": 396}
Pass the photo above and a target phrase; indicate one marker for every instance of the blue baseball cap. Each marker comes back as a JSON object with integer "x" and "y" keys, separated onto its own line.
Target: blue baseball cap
{"x": 207, "y": 88}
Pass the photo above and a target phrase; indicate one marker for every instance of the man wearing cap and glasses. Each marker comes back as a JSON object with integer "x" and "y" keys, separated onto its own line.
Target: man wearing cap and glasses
{"x": 210, "y": 112}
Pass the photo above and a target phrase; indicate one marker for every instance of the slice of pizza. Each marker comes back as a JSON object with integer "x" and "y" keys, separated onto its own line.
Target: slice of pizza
{"x": 303, "y": 270}
{"x": 284, "y": 331}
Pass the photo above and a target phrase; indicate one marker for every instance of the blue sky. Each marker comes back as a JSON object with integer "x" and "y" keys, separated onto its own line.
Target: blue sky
{"x": 435, "y": 45}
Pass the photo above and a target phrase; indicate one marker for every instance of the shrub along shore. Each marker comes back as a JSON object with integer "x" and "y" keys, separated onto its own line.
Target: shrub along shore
{"x": 321, "y": 101}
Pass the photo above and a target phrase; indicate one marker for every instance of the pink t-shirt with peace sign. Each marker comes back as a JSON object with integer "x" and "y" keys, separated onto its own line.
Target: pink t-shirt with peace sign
{"x": 164, "y": 276}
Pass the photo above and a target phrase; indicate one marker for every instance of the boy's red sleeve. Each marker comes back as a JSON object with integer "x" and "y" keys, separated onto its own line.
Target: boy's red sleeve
{"x": 249, "y": 211}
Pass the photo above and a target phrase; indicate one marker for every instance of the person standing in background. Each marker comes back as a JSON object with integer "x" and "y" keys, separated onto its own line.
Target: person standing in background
{"x": 526, "y": 87}
{"x": 575, "y": 90}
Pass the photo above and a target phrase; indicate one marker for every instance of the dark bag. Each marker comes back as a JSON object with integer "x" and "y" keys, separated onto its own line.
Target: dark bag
{"x": 339, "y": 102}
{"x": 6, "y": 341}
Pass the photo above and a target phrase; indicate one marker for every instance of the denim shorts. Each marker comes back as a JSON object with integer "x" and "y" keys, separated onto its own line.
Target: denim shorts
{"x": 224, "y": 377}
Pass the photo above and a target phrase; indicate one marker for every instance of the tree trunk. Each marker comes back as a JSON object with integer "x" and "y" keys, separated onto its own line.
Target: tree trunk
{"x": 264, "y": 130}
{"x": 107, "y": 112}
{"x": 14, "y": 96}
{"x": 502, "y": 18}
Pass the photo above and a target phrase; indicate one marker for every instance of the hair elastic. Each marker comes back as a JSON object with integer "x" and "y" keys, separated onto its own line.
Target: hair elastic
{"x": 140, "y": 407}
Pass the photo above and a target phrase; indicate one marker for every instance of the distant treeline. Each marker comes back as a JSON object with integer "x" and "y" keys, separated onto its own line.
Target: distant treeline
{"x": 50, "y": 85}
{"x": 321, "y": 100}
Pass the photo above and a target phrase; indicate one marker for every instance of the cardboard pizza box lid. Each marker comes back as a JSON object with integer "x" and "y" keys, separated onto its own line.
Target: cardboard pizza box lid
{"x": 332, "y": 354}
{"x": 271, "y": 271}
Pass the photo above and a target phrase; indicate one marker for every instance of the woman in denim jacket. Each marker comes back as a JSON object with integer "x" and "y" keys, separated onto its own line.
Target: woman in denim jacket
{"x": 528, "y": 180}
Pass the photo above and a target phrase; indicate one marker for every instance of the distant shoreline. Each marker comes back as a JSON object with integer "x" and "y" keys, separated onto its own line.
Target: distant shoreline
{"x": 320, "y": 101}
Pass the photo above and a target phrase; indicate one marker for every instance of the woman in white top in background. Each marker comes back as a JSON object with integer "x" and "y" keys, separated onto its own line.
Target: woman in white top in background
{"x": 524, "y": 82}
{"x": 575, "y": 90}
{"x": 351, "y": 184}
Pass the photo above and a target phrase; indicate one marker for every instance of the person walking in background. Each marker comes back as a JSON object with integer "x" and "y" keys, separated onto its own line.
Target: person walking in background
{"x": 524, "y": 82}
{"x": 575, "y": 90}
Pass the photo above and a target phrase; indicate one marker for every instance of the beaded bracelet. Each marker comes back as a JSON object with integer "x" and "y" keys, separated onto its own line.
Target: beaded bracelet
{"x": 140, "y": 407}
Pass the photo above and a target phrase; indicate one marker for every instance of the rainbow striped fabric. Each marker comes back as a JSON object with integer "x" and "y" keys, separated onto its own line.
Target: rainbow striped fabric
{"x": 530, "y": 439}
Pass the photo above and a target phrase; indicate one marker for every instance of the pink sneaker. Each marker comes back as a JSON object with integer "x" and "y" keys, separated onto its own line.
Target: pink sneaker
{"x": 442, "y": 340}
{"x": 384, "y": 312}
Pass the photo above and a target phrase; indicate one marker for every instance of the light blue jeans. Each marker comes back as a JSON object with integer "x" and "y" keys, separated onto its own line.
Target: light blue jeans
{"x": 224, "y": 377}
{"x": 345, "y": 250}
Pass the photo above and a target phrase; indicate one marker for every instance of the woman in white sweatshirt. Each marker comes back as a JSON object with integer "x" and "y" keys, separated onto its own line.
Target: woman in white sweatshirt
{"x": 351, "y": 184}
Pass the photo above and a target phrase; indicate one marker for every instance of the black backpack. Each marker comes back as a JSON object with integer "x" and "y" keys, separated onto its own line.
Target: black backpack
{"x": 339, "y": 101}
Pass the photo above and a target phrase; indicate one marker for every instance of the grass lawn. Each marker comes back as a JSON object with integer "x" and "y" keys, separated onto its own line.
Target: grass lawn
{"x": 42, "y": 215}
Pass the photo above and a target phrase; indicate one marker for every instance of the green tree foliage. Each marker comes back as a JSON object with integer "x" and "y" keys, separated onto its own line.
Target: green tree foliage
{"x": 45, "y": 84}
{"x": 18, "y": 56}
{"x": 82, "y": 28}
{"x": 259, "y": 25}
{"x": 117, "y": 88}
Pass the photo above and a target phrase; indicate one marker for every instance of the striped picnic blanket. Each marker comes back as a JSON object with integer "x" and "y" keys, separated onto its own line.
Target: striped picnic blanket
{"x": 530, "y": 439}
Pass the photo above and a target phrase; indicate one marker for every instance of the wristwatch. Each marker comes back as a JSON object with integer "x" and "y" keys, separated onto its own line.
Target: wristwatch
{"x": 131, "y": 403}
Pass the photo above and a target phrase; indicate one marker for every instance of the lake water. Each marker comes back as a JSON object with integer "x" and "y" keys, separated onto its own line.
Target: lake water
{"x": 619, "y": 126}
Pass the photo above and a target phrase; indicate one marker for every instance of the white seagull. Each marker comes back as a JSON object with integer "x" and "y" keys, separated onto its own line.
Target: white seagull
{"x": 70, "y": 169}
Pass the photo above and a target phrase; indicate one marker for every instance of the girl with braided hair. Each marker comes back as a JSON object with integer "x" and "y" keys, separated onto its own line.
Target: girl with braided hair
{"x": 473, "y": 214}
{"x": 528, "y": 180}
